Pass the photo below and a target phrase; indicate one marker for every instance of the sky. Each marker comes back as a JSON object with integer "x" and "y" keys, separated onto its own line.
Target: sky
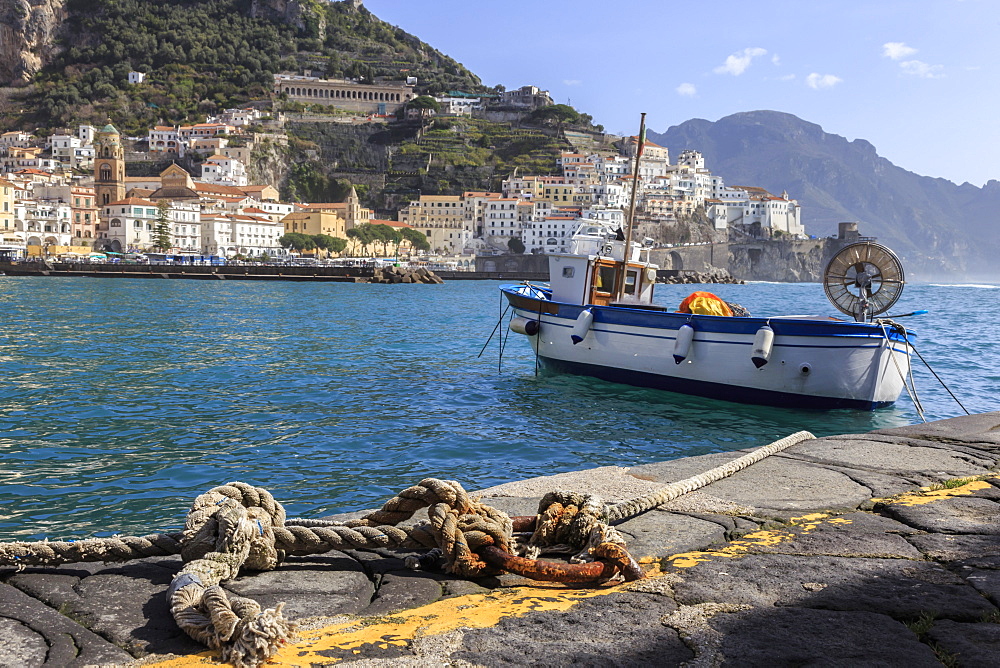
{"x": 919, "y": 79}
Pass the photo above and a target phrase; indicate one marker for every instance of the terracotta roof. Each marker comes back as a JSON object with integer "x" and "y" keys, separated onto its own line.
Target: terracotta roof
{"x": 214, "y": 188}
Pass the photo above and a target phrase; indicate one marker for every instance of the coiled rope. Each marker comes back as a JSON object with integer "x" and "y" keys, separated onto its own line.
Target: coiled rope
{"x": 238, "y": 527}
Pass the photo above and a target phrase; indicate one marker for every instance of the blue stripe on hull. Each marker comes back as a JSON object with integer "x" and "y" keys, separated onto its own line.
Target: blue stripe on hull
{"x": 707, "y": 389}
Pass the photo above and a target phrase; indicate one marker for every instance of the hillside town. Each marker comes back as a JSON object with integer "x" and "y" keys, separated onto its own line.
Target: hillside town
{"x": 68, "y": 195}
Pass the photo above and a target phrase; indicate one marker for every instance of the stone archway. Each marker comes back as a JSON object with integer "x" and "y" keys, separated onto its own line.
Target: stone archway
{"x": 676, "y": 261}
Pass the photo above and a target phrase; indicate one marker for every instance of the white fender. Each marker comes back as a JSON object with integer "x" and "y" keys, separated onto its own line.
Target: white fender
{"x": 763, "y": 342}
{"x": 682, "y": 344}
{"x": 582, "y": 326}
{"x": 526, "y": 326}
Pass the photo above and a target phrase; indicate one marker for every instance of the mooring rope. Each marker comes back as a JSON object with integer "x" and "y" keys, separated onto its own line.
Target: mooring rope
{"x": 911, "y": 387}
{"x": 568, "y": 521}
{"x": 634, "y": 507}
{"x": 238, "y": 527}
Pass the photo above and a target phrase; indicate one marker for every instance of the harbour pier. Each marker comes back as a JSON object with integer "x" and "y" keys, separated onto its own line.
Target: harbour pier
{"x": 861, "y": 549}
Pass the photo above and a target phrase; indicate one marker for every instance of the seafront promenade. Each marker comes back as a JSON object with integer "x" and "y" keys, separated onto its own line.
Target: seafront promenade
{"x": 872, "y": 549}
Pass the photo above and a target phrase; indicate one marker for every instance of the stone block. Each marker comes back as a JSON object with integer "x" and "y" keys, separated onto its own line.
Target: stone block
{"x": 959, "y": 514}
{"x": 620, "y": 629}
{"x": 315, "y": 586}
{"x": 33, "y": 634}
{"x": 774, "y": 484}
{"x": 803, "y": 637}
{"x": 900, "y": 588}
{"x": 973, "y": 645}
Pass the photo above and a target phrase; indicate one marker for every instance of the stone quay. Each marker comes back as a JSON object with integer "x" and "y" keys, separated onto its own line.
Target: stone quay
{"x": 867, "y": 549}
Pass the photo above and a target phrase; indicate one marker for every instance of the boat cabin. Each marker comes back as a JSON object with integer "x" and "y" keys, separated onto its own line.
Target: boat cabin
{"x": 596, "y": 272}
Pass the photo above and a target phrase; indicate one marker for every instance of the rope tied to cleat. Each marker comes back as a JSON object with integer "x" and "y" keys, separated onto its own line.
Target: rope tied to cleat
{"x": 237, "y": 527}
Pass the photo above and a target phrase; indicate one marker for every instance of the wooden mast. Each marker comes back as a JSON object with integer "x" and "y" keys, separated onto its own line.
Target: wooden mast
{"x": 641, "y": 140}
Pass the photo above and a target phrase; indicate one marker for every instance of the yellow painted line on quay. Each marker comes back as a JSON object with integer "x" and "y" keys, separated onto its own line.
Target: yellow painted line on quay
{"x": 928, "y": 495}
{"x": 332, "y": 644}
{"x": 764, "y": 538}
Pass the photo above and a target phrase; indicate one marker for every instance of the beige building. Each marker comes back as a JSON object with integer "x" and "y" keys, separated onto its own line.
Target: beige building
{"x": 378, "y": 98}
{"x": 7, "y": 211}
{"x": 442, "y": 219}
{"x": 315, "y": 222}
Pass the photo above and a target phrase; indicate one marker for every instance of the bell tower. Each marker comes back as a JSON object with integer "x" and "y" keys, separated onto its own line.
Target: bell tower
{"x": 353, "y": 217}
{"x": 109, "y": 166}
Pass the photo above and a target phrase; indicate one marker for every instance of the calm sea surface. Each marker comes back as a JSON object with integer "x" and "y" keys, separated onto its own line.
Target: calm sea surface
{"x": 121, "y": 400}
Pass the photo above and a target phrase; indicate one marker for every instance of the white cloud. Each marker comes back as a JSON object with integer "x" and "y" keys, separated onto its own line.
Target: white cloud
{"x": 738, "y": 63}
{"x": 897, "y": 50}
{"x": 776, "y": 59}
{"x": 921, "y": 69}
{"x": 687, "y": 90}
{"x": 572, "y": 82}
{"x": 787, "y": 77}
{"x": 818, "y": 81}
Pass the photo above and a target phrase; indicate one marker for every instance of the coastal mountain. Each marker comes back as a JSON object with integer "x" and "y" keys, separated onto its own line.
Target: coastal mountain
{"x": 938, "y": 227}
{"x": 72, "y": 58}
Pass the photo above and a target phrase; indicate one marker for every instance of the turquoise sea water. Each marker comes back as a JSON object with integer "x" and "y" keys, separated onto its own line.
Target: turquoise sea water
{"x": 121, "y": 400}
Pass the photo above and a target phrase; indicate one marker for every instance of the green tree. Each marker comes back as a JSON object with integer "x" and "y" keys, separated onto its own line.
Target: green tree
{"x": 297, "y": 241}
{"x": 515, "y": 245}
{"x": 364, "y": 236}
{"x": 557, "y": 114}
{"x": 417, "y": 240}
{"x": 329, "y": 244}
{"x": 385, "y": 235}
{"x": 424, "y": 103}
{"x": 161, "y": 232}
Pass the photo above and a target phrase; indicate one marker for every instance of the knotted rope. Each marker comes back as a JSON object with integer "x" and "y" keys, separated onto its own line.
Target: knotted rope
{"x": 570, "y": 521}
{"x": 238, "y": 527}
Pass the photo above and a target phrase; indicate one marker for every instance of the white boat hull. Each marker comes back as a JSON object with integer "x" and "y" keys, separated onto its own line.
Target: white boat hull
{"x": 813, "y": 363}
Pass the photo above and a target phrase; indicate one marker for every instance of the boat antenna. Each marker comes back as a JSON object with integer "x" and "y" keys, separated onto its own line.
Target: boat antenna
{"x": 640, "y": 144}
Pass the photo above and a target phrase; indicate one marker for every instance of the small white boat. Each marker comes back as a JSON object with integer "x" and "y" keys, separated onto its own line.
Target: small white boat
{"x": 597, "y": 318}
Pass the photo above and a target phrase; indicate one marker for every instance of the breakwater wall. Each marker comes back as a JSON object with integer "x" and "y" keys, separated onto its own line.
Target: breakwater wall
{"x": 233, "y": 272}
{"x": 243, "y": 272}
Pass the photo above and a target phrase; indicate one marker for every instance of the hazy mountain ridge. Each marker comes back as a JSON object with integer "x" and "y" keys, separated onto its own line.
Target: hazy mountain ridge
{"x": 938, "y": 227}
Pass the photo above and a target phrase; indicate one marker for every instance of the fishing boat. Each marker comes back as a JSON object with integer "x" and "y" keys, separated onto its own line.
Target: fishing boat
{"x": 597, "y": 317}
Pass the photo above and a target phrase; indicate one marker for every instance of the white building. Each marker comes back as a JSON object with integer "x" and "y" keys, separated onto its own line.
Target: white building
{"x": 759, "y": 213}
{"x": 256, "y": 235}
{"x": 166, "y": 139}
{"x": 459, "y": 106}
{"x": 551, "y": 233}
{"x": 43, "y": 222}
{"x": 132, "y": 222}
{"x": 217, "y": 235}
{"x": 227, "y": 234}
{"x": 86, "y": 133}
{"x": 224, "y": 171}
{"x": 136, "y": 77}
{"x": 500, "y": 218}
{"x": 241, "y": 117}
{"x": 185, "y": 227}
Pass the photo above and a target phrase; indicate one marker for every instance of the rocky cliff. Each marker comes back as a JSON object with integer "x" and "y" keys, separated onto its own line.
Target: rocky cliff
{"x": 27, "y": 37}
{"x": 938, "y": 228}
